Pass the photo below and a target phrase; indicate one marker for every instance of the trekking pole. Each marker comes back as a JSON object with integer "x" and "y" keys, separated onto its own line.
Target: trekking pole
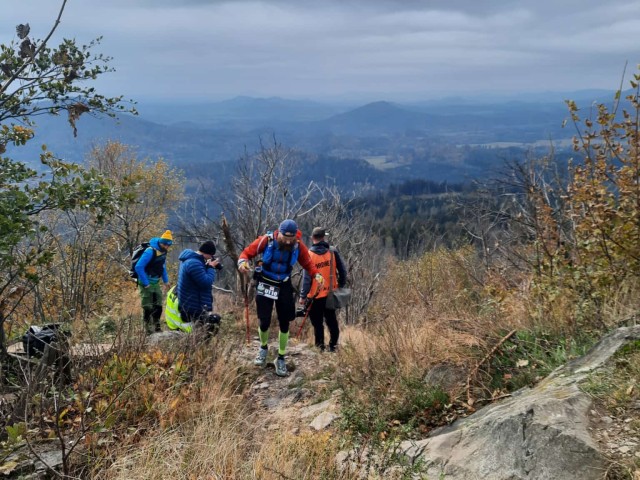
{"x": 306, "y": 314}
{"x": 245, "y": 290}
{"x": 307, "y": 310}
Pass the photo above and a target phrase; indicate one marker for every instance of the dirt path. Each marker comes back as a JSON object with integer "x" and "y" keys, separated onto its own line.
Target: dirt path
{"x": 302, "y": 400}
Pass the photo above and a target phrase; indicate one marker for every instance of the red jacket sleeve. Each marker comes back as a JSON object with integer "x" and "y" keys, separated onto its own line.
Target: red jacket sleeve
{"x": 254, "y": 248}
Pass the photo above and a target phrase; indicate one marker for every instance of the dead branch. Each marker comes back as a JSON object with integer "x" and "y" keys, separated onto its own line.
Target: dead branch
{"x": 228, "y": 240}
{"x": 470, "y": 400}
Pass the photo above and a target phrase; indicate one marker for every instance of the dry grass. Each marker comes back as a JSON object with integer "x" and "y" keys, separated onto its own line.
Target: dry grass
{"x": 434, "y": 310}
{"x": 221, "y": 435}
{"x": 445, "y": 311}
{"x": 307, "y": 456}
{"x": 623, "y": 305}
{"x": 437, "y": 311}
{"x": 214, "y": 439}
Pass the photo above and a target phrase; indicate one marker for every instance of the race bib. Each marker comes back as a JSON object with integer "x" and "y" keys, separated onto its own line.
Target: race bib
{"x": 266, "y": 290}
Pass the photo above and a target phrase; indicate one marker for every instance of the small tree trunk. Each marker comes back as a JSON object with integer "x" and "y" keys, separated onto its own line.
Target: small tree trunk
{"x": 4, "y": 357}
{"x": 3, "y": 340}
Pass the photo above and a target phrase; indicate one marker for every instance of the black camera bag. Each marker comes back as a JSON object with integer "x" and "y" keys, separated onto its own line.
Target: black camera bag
{"x": 34, "y": 341}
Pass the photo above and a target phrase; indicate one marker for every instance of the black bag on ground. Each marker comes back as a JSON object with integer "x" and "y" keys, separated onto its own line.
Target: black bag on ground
{"x": 338, "y": 298}
{"x": 36, "y": 338}
{"x": 211, "y": 323}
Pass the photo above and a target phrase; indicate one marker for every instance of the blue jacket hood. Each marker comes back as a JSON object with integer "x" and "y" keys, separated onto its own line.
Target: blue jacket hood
{"x": 195, "y": 281}
{"x": 188, "y": 254}
{"x": 154, "y": 243}
{"x": 151, "y": 266}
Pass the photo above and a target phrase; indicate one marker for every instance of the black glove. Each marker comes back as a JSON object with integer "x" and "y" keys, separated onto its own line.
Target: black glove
{"x": 302, "y": 311}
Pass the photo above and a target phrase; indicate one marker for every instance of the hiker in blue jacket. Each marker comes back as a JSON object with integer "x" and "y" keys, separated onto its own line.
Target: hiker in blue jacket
{"x": 150, "y": 269}
{"x": 195, "y": 283}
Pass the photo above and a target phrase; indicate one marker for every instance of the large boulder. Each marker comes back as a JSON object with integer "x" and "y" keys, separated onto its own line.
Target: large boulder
{"x": 538, "y": 433}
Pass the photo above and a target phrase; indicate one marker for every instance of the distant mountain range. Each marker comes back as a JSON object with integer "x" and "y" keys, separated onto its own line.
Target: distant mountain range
{"x": 402, "y": 137}
{"x": 240, "y": 111}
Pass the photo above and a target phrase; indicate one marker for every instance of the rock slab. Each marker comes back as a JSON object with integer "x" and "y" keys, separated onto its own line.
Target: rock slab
{"x": 539, "y": 433}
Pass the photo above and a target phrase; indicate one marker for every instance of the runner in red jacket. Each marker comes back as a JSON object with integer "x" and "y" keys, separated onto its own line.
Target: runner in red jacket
{"x": 280, "y": 251}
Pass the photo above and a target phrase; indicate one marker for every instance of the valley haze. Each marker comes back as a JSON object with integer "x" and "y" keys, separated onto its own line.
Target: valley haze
{"x": 452, "y": 139}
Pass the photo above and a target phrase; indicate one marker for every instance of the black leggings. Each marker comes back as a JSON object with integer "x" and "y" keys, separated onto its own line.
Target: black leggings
{"x": 316, "y": 314}
{"x": 285, "y": 306}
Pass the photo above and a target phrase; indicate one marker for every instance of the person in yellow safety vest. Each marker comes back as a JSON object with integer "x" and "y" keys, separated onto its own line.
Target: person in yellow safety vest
{"x": 172, "y": 313}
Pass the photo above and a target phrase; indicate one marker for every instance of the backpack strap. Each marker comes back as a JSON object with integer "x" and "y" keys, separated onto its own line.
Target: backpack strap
{"x": 332, "y": 251}
{"x": 269, "y": 238}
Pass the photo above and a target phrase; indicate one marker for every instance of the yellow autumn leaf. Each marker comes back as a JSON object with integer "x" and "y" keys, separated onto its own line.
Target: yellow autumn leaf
{"x": 174, "y": 404}
{"x": 8, "y": 467}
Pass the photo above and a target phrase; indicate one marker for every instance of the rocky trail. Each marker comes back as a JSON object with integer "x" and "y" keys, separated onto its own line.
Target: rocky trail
{"x": 303, "y": 399}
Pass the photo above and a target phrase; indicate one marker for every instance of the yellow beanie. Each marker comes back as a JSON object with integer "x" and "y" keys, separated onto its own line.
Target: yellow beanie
{"x": 167, "y": 236}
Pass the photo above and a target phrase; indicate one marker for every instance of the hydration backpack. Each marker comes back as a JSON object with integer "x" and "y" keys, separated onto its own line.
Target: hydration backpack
{"x": 135, "y": 256}
{"x": 269, "y": 250}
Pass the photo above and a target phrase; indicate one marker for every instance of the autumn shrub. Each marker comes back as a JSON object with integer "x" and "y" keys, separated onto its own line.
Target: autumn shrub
{"x": 590, "y": 236}
{"x": 120, "y": 398}
{"x": 132, "y": 386}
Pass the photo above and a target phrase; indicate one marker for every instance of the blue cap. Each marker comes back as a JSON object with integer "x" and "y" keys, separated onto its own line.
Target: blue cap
{"x": 288, "y": 227}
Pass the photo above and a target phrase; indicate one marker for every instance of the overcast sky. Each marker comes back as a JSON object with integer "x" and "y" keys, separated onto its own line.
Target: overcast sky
{"x": 377, "y": 49}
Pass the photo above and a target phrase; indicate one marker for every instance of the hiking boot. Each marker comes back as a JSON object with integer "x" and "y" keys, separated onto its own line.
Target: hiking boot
{"x": 281, "y": 367}
{"x": 261, "y": 358}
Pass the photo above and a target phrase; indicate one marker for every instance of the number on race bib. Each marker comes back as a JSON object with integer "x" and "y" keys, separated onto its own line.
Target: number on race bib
{"x": 266, "y": 290}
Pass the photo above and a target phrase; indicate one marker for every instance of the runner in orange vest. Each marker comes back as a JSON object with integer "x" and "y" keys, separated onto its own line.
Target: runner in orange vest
{"x": 321, "y": 255}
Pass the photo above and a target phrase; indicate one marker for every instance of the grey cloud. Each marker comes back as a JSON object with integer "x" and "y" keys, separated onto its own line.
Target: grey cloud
{"x": 224, "y": 48}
